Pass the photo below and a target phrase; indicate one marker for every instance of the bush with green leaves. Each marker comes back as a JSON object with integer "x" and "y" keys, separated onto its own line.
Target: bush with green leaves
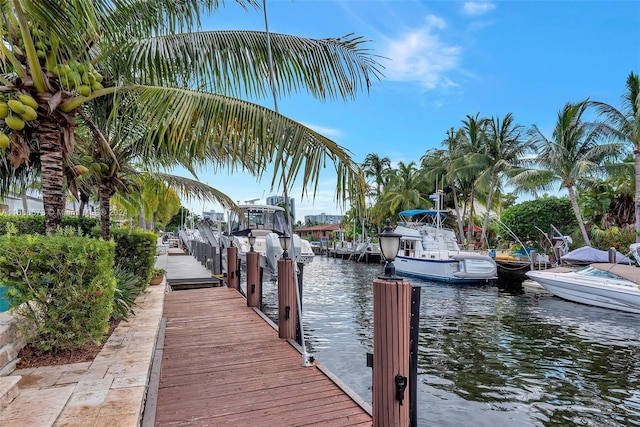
{"x": 34, "y": 224}
{"x": 524, "y": 217}
{"x": 62, "y": 284}
{"x": 136, "y": 252}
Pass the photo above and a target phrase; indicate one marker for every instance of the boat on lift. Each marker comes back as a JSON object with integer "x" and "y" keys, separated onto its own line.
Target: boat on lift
{"x": 430, "y": 251}
{"x": 602, "y": 284}
{"x": 267, "y": 224}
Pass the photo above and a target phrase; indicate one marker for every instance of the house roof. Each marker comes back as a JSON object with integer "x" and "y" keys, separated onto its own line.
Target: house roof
{"x": 322, "y": 227}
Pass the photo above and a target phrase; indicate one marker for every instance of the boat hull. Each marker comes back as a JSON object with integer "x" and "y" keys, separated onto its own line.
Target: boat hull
{"x": 605, "y": 293}
{"x": 447, "y": 270}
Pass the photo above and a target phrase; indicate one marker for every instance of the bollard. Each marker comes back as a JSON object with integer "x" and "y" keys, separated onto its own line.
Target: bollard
{"x": 232, "y": 267}
{"x": 391, "y": 326}
{"x": 253, "y": 275}
{"x": 300, "y": 281}
{"x": 612, "y": 255}
{"x": 533, "y": 255}
{"x": 287, "y": 313}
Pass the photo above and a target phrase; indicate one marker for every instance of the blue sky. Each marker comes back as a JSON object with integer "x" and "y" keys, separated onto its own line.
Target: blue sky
{"x": 444, "y": 60}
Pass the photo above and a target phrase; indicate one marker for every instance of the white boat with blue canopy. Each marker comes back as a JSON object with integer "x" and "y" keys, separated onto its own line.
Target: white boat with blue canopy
{"x": 429, "y": 251}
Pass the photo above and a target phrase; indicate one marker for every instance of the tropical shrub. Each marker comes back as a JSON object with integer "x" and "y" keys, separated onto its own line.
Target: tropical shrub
{"x": 127, "y": 289}
{"x": 136, "y": 252}
{"x": 62, "y": 284}
{"x": 524, "y": 217}
{"x": 34, "y": 224}
{"x": 614, "y": 237}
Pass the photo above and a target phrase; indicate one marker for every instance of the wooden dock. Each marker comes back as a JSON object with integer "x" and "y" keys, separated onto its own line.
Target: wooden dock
{"x": 223, "y": 364}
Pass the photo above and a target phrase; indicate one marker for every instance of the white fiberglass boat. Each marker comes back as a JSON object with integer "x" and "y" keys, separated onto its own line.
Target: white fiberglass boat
{"x": 429, "y": 251}
{"x": 615, "y": 286}
{"x": 267, "y": 223}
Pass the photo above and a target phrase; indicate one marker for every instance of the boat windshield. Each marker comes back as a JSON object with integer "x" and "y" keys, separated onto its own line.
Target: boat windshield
{"x": 596, "y": 272}
{"x": 258, "y": 219}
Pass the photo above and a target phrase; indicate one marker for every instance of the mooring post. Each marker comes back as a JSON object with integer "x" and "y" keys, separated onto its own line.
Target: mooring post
{"x": 391, "y": 330}
{"x": 612, "y": 255}
{"x": 287, "y": 313}
{"x": 253, "y": 275}
{"x": 232, "y": 267}
{"x": 413, "y": 355}
{"x": 300, "y": 281}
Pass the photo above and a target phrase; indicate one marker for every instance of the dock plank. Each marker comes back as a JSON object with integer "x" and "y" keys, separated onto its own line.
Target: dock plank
{"x": 222, "y": 364}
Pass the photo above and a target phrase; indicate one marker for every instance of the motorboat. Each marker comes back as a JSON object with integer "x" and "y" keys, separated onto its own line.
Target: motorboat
{"x": 430, "y": 251}
{"x": 615, "y": 286}
{"x": 266, "y": 223}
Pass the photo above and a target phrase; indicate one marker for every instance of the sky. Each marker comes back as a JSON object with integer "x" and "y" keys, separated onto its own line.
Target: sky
{"x": 443, "y": 60}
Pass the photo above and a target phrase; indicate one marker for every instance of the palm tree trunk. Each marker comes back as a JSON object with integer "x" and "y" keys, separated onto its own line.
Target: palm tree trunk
{"x": 636, "y": 154}
{"x": 576, "y": 211}
{"x": 492, "y": 186}
{"x": 470, "y": 222}
{"x": 25, "y": 203}
{"x": 104, "y": 194}
{"x": 459, "y": 218}
{"x": 51, "y": 159}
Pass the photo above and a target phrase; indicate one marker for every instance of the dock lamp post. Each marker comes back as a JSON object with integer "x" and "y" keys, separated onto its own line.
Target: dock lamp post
{"x": 389, "y": 245}
{"x": 252, "y": 241}
{"x": 284, "y": 242}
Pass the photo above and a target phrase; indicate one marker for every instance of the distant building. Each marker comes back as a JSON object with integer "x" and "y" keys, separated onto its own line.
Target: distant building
{"x": 14, "y": 204}
{"x": 320, "y": 232}
{"x": 323, "y": 218}
{"x": 279, "y": 201}
{"x": 213, "y": 215}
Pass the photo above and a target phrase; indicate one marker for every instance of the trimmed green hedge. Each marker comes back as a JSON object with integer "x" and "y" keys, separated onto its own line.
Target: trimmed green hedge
{"x": 34, "y": 224}
{"x": 64, "y": 285}
{"x": 135, "y": 252}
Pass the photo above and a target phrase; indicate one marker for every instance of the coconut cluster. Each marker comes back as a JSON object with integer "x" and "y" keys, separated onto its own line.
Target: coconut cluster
{"x": 16, "y": 110}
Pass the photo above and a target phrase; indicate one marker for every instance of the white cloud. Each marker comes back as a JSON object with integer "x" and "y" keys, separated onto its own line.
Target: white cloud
{"x": 420, "y": 55}
{"x": 476, "y": 8}
{"x": 325, "y": 131}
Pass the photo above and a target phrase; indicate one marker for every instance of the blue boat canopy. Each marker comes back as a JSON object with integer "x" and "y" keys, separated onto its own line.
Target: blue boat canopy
{"x": 413, "y": 212}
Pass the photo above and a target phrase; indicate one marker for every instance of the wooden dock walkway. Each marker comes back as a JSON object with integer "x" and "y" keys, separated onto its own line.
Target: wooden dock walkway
{"x": 223, "y": 364}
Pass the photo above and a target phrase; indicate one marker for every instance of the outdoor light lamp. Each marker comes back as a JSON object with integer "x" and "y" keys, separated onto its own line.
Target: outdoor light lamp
{"x": 284, "y": 242}
{"x": 252, "y": 241}
{"x": 389, "y": 245}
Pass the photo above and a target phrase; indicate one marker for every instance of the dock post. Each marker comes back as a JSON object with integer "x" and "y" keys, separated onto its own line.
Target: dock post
{"x": 391, "y": 330}
{"x": 232, "y": 267}
{"x": 287, "y": 313}
{"x": 253, "y": 275}
{"x": 532, "y": 256}
{"x": 300, "y": 281}
{"x": 612, "y": 255}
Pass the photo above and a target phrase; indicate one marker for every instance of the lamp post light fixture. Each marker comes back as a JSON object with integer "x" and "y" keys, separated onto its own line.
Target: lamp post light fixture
{"x": 389, "y": 246}
{"x": 252, "y": 241}
{"x": 284, "y": 243}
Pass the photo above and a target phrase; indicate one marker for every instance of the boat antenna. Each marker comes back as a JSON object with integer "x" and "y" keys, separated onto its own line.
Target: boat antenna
{"x": 307, "y": 359}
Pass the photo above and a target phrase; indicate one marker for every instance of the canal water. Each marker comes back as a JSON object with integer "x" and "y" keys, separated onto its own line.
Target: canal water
{"x": 487, "y": 357}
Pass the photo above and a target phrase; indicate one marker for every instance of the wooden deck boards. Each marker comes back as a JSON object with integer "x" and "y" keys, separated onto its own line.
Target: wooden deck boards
{"x": 223, "y": 364}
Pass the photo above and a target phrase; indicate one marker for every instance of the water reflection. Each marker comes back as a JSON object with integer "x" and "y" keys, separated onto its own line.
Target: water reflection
{"x": 487, "y": 357}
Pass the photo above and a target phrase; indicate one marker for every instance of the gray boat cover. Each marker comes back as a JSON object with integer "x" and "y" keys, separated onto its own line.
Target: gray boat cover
{"x": 587, "y": 255}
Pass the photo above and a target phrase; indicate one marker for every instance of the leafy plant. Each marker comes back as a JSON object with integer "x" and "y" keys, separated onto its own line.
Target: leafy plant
{"x": 62, "y": 284}
{"x": 127, "y": 289}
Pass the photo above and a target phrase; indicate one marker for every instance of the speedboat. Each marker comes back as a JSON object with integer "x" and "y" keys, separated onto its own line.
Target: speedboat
{"x": 430, "y": 251}
{"x": 266, "y": 223}
{"x": 615, "y": 286}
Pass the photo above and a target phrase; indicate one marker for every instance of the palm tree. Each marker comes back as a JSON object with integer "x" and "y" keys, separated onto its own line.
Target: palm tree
{"x": 437, "y": 165}
{"x": 404, "y": 189}
{"x": 627, "y": 124}
{"x": 149, "y": 57}
{"x": 374, "y": 167}
{"x": 575, "y": 152}
{"x": 468, "y": 166}
{"x": 504, "y": 150}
